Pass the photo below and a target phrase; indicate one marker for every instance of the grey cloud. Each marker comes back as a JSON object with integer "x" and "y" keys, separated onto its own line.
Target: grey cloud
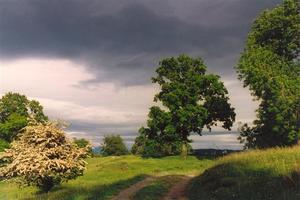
{"x": 96, "y": 129}
{"x": 121, "y": 41}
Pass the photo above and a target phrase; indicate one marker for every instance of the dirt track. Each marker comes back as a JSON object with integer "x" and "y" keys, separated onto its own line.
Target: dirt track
{"x": 129, "y": 192}
{"x": 176, "y": 192}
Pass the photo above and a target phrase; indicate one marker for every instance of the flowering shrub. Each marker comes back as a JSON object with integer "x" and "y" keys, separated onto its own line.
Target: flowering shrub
{"x": 42, "y": 156}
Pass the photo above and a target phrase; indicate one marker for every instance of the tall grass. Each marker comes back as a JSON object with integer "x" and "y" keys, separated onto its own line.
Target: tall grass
{"x": 257, "y": 174}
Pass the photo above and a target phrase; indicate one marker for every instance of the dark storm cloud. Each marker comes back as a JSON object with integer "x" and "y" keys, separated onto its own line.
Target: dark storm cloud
{"x": 121, "y": 41}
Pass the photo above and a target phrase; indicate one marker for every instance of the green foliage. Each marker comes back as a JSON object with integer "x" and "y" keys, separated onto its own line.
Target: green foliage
{"x": 15, "y": 111}
{"x": 35, "y": 110}
{"x": 157, "y": 147}
{"x": 278, "y": 30}
{"x": 11, "y": 127}
{"x": 192, "y": 100}
{"x": 83, "y": 143}
{"x": 270, "y": 67}
{"x": 270, "y": 174}
{"x": 3, "y": 145}
{"x": 113, "y": 145}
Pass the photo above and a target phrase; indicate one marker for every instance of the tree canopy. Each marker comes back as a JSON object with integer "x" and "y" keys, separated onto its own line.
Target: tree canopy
{"x": 15, "y": 111}
{"x": 113, "y": 145}
{"x": 191, "y": 100}
{"x": 270, "y": 67}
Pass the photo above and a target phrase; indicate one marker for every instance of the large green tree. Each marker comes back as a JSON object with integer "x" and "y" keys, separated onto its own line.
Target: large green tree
{"x": 191, "y": 100}
{"x": 270, "y": 67}
{"x": 15, "y": 111}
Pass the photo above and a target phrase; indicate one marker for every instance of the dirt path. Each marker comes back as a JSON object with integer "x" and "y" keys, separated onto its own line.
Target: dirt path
{"x": 129, "y": 192}
{"x": 177, "y": 192}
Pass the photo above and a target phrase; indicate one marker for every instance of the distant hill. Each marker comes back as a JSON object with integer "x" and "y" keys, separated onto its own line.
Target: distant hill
{"x": 213, "y": 152}
{"x": 96, "y": 150}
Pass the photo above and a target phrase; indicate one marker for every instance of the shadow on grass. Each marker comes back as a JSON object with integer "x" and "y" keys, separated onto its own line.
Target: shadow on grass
{"x": 84, "y": 192}
{"x": 157, "y": 188}
{"x": 212, "y": 153}
{"x": 239, "y": 181}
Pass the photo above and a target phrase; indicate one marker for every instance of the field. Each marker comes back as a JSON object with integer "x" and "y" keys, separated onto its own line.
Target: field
{"x": 267, "y": 174}
{"x": 106, "y": 176}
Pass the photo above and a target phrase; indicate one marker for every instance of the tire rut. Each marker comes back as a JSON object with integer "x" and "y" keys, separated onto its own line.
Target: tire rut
{"x": 128, "y": 193}
{"x": 178, "y": 191}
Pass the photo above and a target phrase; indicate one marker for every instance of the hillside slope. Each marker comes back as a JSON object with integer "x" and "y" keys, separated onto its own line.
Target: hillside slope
{"x": 258, "y": 175}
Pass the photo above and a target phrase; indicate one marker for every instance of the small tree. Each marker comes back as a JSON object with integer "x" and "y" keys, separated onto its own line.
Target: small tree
{"x": 43, "y": 157}
{"x": 192, "y": 100}
{"x": 113, "y": 145}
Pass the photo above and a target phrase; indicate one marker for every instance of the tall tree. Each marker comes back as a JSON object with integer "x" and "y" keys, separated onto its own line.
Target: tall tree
{"x": 270, "y": 67}
{"x": 191, "y": 100}
{"x": 15, "y": 110}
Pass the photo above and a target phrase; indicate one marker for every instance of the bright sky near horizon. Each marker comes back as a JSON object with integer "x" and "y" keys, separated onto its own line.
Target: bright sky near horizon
{"x": 90, "y": 62}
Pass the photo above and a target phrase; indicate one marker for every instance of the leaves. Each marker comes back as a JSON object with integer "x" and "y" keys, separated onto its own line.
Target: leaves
{"x": 270, "y": 67}
{"x": 15, "y": 113}
{"x": 192, "y": 100}
{"x": 113, "y": 145}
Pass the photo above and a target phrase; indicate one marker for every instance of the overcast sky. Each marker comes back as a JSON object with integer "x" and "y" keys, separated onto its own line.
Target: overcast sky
{"x": 89, "y": 62}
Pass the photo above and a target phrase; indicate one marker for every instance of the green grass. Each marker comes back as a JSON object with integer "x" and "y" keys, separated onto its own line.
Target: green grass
{"x": 258, "y": 175}
{"x": 106, "y": 176}
{"x": 157, "y": 188}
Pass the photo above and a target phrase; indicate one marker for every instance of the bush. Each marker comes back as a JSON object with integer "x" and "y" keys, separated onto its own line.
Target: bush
{"x": 42, "y": 157}
{"x": 113, "y": 145}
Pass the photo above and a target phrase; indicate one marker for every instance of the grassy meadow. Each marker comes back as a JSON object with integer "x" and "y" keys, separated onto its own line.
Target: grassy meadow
{"x": 106, "y": 176}
{"x": 257, "y": 174}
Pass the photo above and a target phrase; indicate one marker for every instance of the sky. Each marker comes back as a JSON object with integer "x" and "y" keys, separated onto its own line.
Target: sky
{"x": 90, "y": 62}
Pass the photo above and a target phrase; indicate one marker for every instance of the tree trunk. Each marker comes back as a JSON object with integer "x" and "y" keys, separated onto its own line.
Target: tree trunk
{"x": 184, "y": 151}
